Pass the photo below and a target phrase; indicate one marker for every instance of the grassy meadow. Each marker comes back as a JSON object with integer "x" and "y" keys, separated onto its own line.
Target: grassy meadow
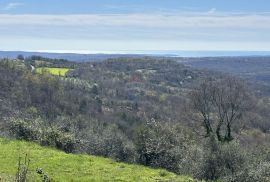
{"x": 70, "y": 167}
{"x": 53, "y": 71}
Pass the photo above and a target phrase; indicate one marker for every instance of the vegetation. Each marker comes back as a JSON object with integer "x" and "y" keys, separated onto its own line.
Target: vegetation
{"x": 22, "y": 170}
{"x": 221, "y": 103}
{"x": 53, "y": 71}
{"x": 60, "y": 166}
{"x": 149, "y": 111}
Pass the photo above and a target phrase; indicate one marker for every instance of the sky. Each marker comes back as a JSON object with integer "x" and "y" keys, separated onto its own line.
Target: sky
{"x": 105, "y": 26}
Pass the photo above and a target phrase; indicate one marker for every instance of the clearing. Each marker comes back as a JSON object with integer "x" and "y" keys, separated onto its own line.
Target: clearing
{"x": 53, "y": 71}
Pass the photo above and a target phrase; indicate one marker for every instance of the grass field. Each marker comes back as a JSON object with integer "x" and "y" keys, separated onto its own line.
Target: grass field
{"x": 70, "y": 167}
{"x": 53, "y": 71}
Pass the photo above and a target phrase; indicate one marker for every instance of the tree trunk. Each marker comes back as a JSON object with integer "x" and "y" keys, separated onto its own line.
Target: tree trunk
{"x": 228, "y": 136}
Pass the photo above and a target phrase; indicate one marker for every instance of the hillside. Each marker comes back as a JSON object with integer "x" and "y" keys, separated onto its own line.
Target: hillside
{"x": 256, "y": 69}
{"x": 67, "y": 56}
{"x": 153, "y": 112}
{"x": 69, "y": 167}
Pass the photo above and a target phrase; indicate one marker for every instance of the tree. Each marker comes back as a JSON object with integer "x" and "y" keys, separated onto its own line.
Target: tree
{"x": 201, "y": 102}
{"x": 20, "y": 57}
{"x": 221, "y": 103}
{"x": 94, "y": 89}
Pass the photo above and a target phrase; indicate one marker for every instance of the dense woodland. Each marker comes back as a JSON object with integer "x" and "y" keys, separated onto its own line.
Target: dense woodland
{"x": 150, "y": 111}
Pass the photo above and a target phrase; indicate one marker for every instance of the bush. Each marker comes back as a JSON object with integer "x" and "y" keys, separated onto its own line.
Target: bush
{"x": 61, "y": 140}
{"x": 43, "y": 175}
{"x": 164, "y": 145}
{"x": 110, "y": 141}
{"x": 23, "y": 130}
{"x": 222, "y": 159}
{"x": 258, "y": 173}
{"x": 30, "y": 131}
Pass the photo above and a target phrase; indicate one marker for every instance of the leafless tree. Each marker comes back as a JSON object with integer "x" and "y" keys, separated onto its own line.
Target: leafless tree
{"x": 221, "y": 103}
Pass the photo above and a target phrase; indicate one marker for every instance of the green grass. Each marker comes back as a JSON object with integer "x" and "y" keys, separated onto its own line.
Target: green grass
{"x": 53, "y": 71}
{"x": 70, "y": 167}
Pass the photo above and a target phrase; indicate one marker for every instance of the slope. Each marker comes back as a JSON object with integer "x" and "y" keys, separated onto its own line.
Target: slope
{"x": 69, "y": 167}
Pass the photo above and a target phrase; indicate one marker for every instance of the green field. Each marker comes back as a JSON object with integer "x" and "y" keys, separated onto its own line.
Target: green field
{"x": 70, "y": 167}
{"x": 53, "y": 71}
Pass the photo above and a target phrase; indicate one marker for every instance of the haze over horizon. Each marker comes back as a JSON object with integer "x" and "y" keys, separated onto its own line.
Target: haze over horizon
{"x": 127, "y": 26}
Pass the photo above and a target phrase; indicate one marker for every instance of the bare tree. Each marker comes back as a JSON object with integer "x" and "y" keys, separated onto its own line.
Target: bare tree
{"x": 201, "y": 102}
{"x": 221, "y": 103}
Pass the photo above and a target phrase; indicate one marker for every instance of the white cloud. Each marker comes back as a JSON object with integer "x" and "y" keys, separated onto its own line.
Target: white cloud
{"x": 210, "y": 30}
{"x": 10, "y": 6}
{"x": 141, "y": 20}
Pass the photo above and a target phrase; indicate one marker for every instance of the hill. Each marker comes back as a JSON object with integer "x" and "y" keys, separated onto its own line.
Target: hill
{"x": 137, "y": 110}
{"x": 67, "y": 56}
{"x": 70, "y": 167}
{"x": 255, "y": 69}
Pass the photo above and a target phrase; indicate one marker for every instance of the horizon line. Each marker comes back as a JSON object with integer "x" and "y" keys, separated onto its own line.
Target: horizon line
{"x": 125, "y": 51}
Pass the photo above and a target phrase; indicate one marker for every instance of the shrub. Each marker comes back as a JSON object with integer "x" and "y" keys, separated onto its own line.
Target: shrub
{"x": 222, "y": 159}
{"x": 253, "y": 173}
{"x": 110, "y": 141}
{"x": 164, "y": 145}
{"x": 43, "y": 175}
{"x": 22, "y": 129}
{"x": 61, "y": 140}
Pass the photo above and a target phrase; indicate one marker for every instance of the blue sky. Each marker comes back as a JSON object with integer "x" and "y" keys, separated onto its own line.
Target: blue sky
{"x": 129, "y": 25}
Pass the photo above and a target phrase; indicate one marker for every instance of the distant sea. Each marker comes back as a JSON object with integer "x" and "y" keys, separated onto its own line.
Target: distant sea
{"x": 176, "y": 53}
{"x": 102, "y": 55}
